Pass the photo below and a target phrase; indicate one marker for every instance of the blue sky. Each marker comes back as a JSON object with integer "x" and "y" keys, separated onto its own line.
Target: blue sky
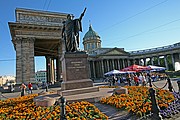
{"x": 129, "y": 24}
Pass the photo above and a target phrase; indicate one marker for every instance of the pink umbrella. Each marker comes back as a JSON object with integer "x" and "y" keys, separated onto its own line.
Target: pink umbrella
{"x": 136, "y": 68}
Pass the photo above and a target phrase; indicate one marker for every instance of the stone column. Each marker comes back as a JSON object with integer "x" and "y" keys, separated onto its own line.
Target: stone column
{"x": 25, "y": 55}
{"x": 113, "y": 63}
{"x": 173, "y": 63}
{"x": 97, "y": 68}
{"x": 118, "y": 65}
{"x": 123, "y": 63}
{"x": 165, "y": 60}
{"x": 25, "y": 69}
{"x": 102, "y": 64}
{"x": 139, "y": 61}
{"x": 31, "y": 60}
{"x": 158, "y": 61}
{"x": 89, "y": 65}
{"x": 152, "y": 60}
{"x": 107, "y": 64}
{"x": 58, "y": 67}
{"x": 94, "y": 72}
{"x": 133, "y": 61}
{"x": 100, "y": 69}
{"x": 128, "y": 62}
{"x": 144, "y": 59}
{"x": 48, "y": 66}
{"x": 52, "y": 71}
{"x": 18, "y": 44}
{"x": 58, "y": 64}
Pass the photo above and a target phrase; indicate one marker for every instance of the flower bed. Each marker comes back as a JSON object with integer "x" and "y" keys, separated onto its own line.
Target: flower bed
{"x": 86, "y": 110}
{"x": 24, "y": 108}
{"x": 138, "y": 100}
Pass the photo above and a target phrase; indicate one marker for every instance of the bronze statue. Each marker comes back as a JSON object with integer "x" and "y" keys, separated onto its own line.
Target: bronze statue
{"x": 70, "y": 32}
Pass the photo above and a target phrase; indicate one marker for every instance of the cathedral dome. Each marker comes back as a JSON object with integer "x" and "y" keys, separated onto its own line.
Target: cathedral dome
{"x": 91, "y": 34}
{"x": 91, "y": 40}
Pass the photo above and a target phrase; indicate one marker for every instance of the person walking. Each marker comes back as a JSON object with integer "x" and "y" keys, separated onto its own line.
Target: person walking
{"x": 23, "y": 88}
{"x": 128, "y": 78}
{"x": 143, "y": 80}
{"x": 11, "y": 88}
{"x": 114, "y": 80}
{"x": 136, "y": 80}
{"x": 30, "y": 88}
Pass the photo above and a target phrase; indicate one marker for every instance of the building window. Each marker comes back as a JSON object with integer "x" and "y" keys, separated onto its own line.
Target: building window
{"x": 93, "y": 45}
{"x": 88, "y": 46}
{"x": 99, "y": 45}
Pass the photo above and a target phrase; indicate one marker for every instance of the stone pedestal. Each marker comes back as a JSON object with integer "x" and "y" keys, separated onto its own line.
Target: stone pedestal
{"x": 120, "y": 90}
{"x": 75, "y": 71}
{"x": 44, "y": 101}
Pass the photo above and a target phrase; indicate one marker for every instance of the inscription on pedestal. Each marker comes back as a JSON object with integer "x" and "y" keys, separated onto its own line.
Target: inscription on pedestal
{"x": 77, "y": 66}
{"x": 75, "y": 71}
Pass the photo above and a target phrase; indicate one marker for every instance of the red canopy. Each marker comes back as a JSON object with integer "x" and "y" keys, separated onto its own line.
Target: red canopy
{"x": 136, "y": 68}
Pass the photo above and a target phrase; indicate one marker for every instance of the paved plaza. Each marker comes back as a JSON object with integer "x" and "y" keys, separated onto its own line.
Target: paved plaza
{"x": 111, "y": 112}
{"x": 158, "y": 84}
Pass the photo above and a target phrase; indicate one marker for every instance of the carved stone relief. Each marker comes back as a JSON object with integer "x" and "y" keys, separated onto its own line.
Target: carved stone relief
{"x": 41, "y": 20}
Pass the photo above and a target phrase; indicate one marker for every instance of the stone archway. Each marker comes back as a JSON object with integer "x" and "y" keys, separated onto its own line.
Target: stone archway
{"x": 36, "y": 33}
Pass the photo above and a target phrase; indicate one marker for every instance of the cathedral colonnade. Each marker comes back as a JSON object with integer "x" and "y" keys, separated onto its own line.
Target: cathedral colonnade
{"x": 101, "y": 66}
{"x": 167, "y": 61}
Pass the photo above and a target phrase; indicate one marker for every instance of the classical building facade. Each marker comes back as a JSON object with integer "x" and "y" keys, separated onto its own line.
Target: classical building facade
{"x": 102, "y": 60}
{"x": 38, "y": 33}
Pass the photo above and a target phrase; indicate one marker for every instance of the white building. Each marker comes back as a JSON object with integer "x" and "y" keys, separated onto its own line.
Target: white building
{"x": 7, "y": 80}
{"x": 40, "y": 76}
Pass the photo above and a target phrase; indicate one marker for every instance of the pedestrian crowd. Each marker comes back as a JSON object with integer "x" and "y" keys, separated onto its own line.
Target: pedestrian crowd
{"x": 23, "y": 88}
{"x": 134, "y": 79}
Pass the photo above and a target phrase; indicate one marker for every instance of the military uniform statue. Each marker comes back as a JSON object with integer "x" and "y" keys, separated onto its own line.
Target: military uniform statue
{"x": 70, "y": 32}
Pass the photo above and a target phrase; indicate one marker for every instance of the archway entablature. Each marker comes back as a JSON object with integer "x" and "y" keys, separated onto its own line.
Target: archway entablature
{"x": 37, "y": 31}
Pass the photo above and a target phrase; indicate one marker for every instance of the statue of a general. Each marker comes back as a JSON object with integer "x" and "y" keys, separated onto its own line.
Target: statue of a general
{"x": 70, "y": 32}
